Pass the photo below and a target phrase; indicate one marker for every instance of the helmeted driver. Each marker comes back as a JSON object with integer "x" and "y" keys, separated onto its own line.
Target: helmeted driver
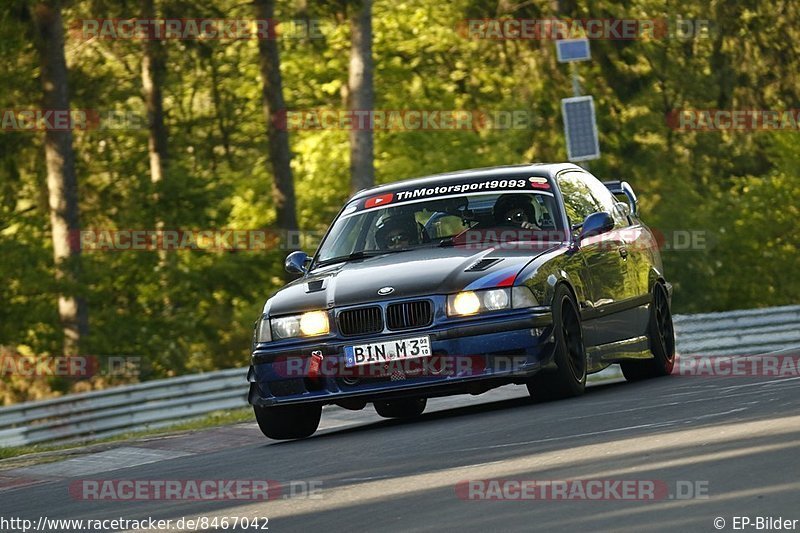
{"x": 516, "y": 210}
{"x": 397, "y": 232}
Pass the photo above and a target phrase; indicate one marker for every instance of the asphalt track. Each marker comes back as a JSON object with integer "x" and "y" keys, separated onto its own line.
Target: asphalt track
{"x": 737, "y": 438}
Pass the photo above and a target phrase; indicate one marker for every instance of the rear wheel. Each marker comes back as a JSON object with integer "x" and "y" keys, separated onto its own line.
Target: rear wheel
{"x": 661, "y": 337}
{"x": 401, "y": 408}
{"x": 569, "y": 377}
{"x": 288, "y": 421}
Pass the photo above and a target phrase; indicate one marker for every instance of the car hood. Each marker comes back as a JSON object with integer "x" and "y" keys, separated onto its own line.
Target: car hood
{"x": 418, "y": 272}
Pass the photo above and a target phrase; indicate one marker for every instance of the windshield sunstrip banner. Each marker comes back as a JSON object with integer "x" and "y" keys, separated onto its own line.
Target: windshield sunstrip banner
{"x": 513, "y": 184}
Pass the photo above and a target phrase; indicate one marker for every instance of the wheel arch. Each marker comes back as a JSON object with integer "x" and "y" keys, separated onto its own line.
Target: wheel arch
{"x": 565, "y": 283}
{"x": 543, "y": 276}
{"x": 657, "y": 278}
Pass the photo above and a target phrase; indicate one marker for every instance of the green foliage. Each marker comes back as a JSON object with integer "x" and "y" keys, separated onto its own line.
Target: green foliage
{"x": 195, "y": 311}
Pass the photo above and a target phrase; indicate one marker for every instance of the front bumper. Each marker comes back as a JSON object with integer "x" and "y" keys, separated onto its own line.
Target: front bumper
{"x": 467, "y": 356}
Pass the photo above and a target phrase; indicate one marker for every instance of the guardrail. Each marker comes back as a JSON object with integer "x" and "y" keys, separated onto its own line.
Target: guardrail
{"x": 162, "y": 402}
{"x": 745, "y": 332}
{"x": 117, "y": 410}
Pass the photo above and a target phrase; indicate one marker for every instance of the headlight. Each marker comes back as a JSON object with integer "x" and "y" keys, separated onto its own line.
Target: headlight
{"x": 308, "y": 324}
{"x": 314, "y": 323}
{"x": 286, "y": 327}
{"x": 464, "y": 303}
{"x": 262, "y": 333}
{"x": 474, "y": 302}
{"x": 496, "y": 299}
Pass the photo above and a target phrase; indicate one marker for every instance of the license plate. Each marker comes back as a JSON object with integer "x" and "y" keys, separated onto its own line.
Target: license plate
{"x": 381, "y": 352}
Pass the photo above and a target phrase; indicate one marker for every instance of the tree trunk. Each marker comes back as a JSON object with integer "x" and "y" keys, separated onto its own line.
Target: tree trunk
{"x": 361, "y": 96}
{"x": 153, "y": 74}
{"x": 277, "y": 134}
{"x": 154, "y": 70}
{"x": 62, "y": 183}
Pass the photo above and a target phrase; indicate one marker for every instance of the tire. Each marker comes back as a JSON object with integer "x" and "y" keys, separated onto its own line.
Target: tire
{"x": 569, "y": 378}
{"x": 288, "y": 422}
{"x": 401, "y": 408}
{"x": 661, "y": 337}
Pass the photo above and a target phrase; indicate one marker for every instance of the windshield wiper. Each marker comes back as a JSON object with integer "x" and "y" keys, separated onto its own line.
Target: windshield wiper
{"x": 451, "y": 241}
{"x": 361, "y": 254}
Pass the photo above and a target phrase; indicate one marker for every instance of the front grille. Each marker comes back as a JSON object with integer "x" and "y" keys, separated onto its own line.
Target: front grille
{"x": 361, "y": 321}
{"x": 409, "y": 315}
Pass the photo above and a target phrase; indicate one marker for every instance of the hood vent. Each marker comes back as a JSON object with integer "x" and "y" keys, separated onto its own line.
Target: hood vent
{"x": 315, "y": 286}
{"x": 484, "y": 264}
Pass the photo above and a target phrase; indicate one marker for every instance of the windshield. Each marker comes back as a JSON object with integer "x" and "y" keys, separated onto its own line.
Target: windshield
{"x": 365, "y": 228}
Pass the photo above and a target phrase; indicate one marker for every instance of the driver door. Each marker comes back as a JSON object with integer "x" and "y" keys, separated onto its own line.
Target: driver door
{"x": 605, "y": 257}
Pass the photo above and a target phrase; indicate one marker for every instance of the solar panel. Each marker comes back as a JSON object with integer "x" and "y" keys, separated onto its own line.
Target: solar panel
{"x": 580, "y": 128}
{"x": 568, "y": 50}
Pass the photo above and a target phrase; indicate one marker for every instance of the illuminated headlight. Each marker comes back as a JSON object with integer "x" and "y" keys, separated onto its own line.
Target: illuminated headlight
{"x": 314, "y": 323}
{"x": 308, "y": 324}
{"x": 463, "y": 303}
{"x": 262, "y": 332}
{"x": 473, "y": 302}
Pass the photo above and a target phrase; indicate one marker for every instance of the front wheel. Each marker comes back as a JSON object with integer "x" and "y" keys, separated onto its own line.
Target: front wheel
{"x": 661, "y": 337}
{"x": 569, "y": 378}
{"x": 288, "y": 421}
{"x": 401, "y": 408}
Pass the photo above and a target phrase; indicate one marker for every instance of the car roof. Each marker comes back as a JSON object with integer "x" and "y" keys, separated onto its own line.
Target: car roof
{"x": 545, "y": 170}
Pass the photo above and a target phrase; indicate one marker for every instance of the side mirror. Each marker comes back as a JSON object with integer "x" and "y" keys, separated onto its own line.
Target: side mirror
{"x": 296, "y": 262}
{"x": 596, "y": 224}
